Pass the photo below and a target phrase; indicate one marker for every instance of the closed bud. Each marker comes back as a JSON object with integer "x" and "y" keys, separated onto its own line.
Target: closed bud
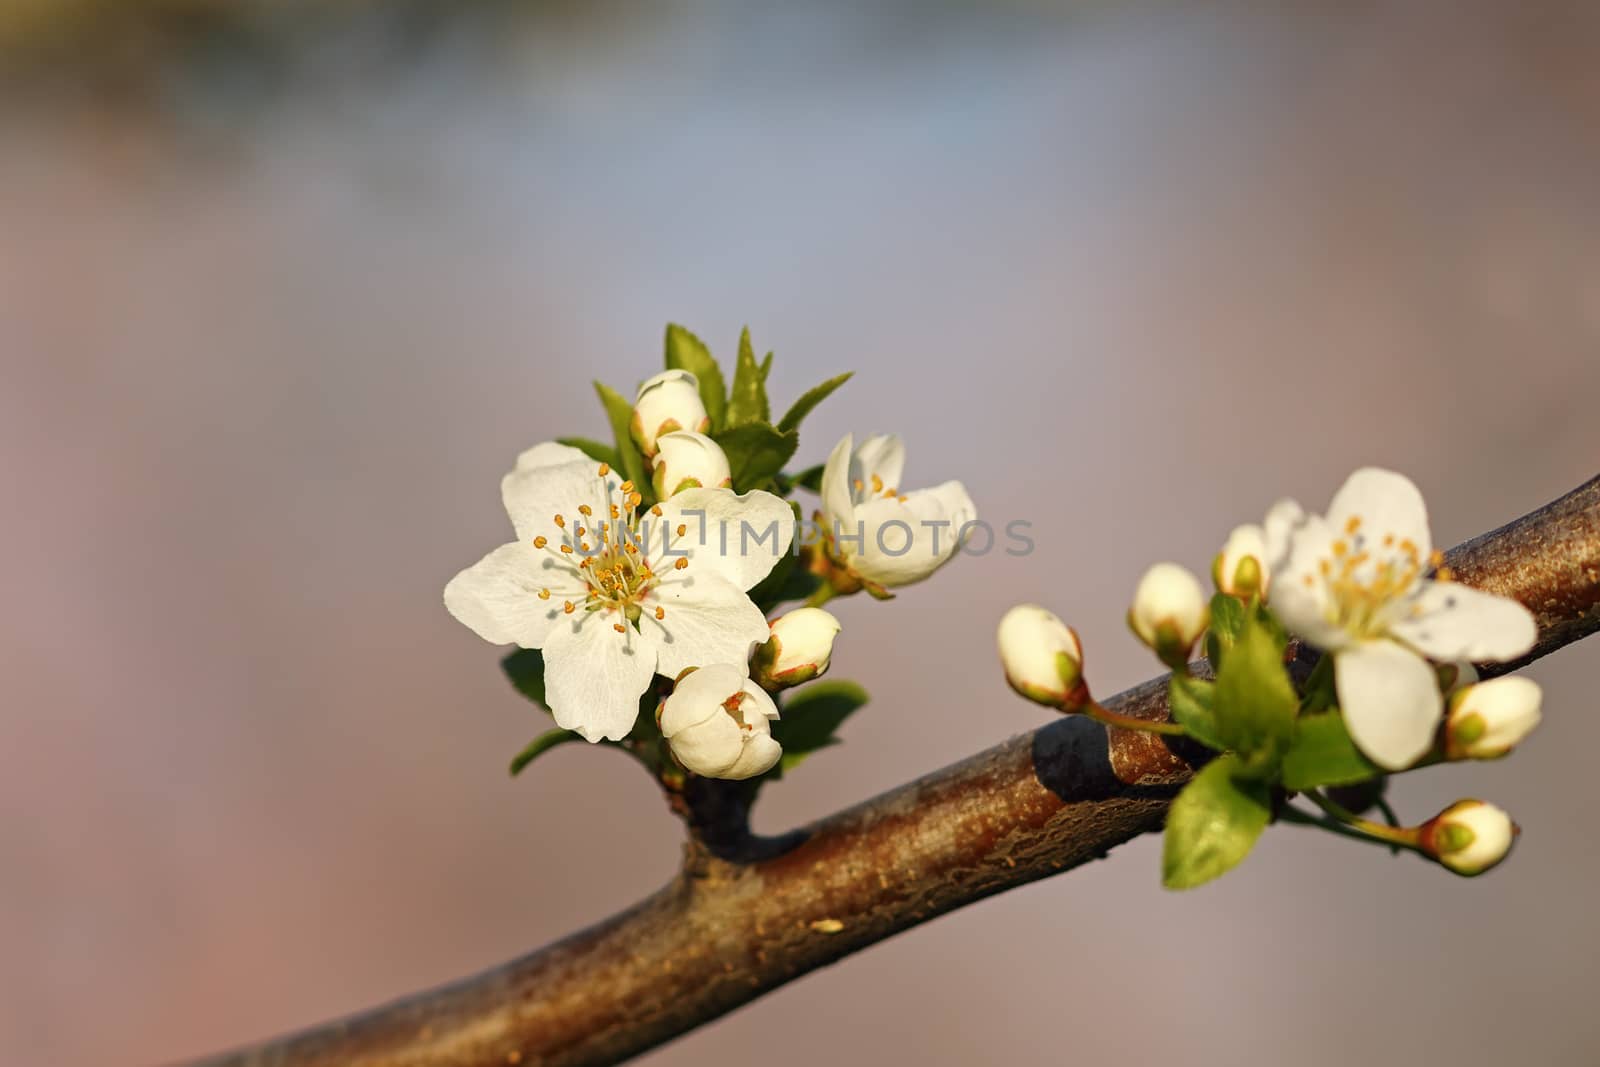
{"x": 1455, "y": 676}
{"x": 688, "y": 460}
{"x": 798, "y": 650}
{"x": 1042, "y": 657}
{"x": 1169, "y": 612}
{"x": 1469, "y": 837}
{"x": 1487, "y": 720}
{"x": 718, "y": 724}
{"x": 1240, "y": 569}
{"x": 667, "y": 402}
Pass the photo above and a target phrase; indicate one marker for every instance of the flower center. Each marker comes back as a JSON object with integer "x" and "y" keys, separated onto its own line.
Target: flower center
{"x": 1366, "y": 584}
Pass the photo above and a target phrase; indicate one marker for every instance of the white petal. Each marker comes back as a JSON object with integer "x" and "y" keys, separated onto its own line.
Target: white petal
{"x": 1388, "y": 504}
{"x": 1455, "y": 622}
{"x": 594, "y": 676}
{"x": 699, "y": 696}
{"x": 498, "y": 596}
{"x": 838, "y": 504}
{"x": 760, "y": 752}
{"x": 711, "y": 747}
{"x": 706, "y": 621}
{"x": 1283, "y": 522}
{"x": 893, "y": 554}
{"x": 739, "y": 538}
{"x": 883, "y": 457}
{"x": 534, "y": 496}
{"x": 549, "y": 454}
{"x": 1390, "y": 699}
{"x": 1300, "y": 597}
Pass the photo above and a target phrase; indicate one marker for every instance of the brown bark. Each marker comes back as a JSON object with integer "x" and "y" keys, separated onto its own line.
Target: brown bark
{"x": 748, "y": 914}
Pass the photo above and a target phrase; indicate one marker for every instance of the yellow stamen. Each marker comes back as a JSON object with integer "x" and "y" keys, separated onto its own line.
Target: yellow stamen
{"x": 540, "y": 541}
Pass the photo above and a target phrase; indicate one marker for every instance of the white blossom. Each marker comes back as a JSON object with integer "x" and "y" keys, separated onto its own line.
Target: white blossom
{"x": 688, "y": 460}
{"x": 612, "y": 595}
{"x": 718, "y": 723}
{"x": 669, "y": 401}
{"x": 1170, "y": 611}
{"x": 1240, "y": 569}
{"x": 799, "y": 649}
{"x": 1488, "y": 720}
{"x": 1042, "y": 656}
{"x": 1469, "y": 837}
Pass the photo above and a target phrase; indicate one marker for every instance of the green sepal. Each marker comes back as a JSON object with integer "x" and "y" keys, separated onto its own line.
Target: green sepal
{"x": 810, "y": 478}
{"x": 540, "y": 745}
{"x": 756, "y": 453}
{"x": 630, "y": 461}
{"x": 1323, "y": 754}
{"x": 594, "y": 450}
{"x": 810, "y": 399}
{"x": 811, "y": 718}
{"x": 1192, "y": 702}
{"x": 748, "y": 402}
{"x": 687, "y": 352}
{"x": 1256, "y": 701}
{"x": 1213, "y": 824}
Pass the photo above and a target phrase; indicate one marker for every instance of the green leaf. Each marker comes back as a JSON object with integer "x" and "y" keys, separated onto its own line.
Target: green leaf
{"x": 539, "y": 746}
{"x": 1213, "y": 824}
{"x": 810, "y": 399}
{"x": 1323, "y": 754}
{"x": 749, "y": 400}
{"x": 766, "y": 366}
{"x": 1255, "y": 700}
{"x": 810, "y": 478}
{"x": 525, "y": 668}
{"x": 594, "y": 450}
{"x": 1227, "y": 621}
{"x": 756, "y": 453}
{"x": 687, "y": 352}
{"x": 630, "y": 459}
{"x": 812, "y": 716}
{"x": 1192, "y": 703}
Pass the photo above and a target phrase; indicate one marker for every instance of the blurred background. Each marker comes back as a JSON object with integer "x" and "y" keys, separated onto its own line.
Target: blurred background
{"x": 285, "y": 287}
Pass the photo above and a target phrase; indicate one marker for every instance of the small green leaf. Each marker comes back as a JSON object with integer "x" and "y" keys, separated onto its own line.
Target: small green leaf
{"x": 594, "y": 450}
{"x": 766, "y": 366}
{"x": 756, "y": 453}
{"x": 810, "y": 478}
{"x": 812, "y": 716}
{"x": 749, "y": 400}
{"x": 1323, "y": 754}
{"x": 1255, "y": 700}
{"x": 630, "y": 460}
{"x": 525, "y": 668}
{"x": 1227, "y": 620}
{"x": 539, "y": 746}
{"x": 1192, "y": 702}
{"x": 687, "y": 352}
{"x": 1213, "y": 824}
{"x": 809, "y": 400}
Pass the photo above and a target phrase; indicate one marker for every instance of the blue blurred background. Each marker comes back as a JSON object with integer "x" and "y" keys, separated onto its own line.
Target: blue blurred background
{"x": 282, "y": 295}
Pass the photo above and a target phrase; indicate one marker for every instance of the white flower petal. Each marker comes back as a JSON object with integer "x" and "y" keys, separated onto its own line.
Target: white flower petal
{"x": 594, "y": 676}
{"x": 739, "y": 538}
{"x": 1390, "y": 699}
{"x": 905, "y": 541}
{"x": 1450, "y": 621}
{"x": 882, "y": 456}
{"x": 699, "y": 696}
{"x": 534, "y": 496}
{"x": 1388, "y": 504}
{"x": 549, "y": 454}
{"x": 1283, "y": 522}
{"x": 760, "y": 752}
{"x": 706, "y": 621}
{"x": 838, "y": 503}
{"x": 498, "y": 597}
{"x": 1300, "y": 597}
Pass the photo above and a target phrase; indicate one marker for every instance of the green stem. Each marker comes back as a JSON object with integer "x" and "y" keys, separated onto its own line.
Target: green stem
{"x": 1405, "y": 837}
{"x": 1320, "y": 684}
{"x": 1128, "y": 722}
{"x": 824, "y": 593}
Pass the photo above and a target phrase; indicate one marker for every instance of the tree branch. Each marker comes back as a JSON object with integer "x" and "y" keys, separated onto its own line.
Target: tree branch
{"x": 748, "y": 914}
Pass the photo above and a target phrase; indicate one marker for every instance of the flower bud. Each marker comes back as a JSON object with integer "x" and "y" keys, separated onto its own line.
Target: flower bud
{"x": 1042, "y": 657}
{"x": 717, "y": 724}
{"x": 667, "y": 402}
{"x": 1169, "y": 612}
{"x": 688, "y": 460}
{"x": 1240, "y": 569}
{"x": 1469, "y": 837}
{"x": 1454, "y": 677}
{"x": 1487, "y": 720}
{"x": 798, "y": 650}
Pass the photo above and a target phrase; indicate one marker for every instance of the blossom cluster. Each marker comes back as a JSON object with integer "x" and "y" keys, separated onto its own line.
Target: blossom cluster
{"x": 645, "y": 575}
{"x": 1340, "y": 649}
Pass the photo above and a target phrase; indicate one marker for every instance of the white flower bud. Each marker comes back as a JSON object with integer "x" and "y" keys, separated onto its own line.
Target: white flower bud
{"x": 717, "y": 724}
{"x": 798, "y": 650}
{"x": 1240, "y": 569}
{"x": 688, "y": 460}
{"x": 1469, "y": 837}
{"x": 1487, "y": 720}
{"x": 1042, "y": 657}
{"x": 669, "y": 401}
{"x": 1169, "y": 612}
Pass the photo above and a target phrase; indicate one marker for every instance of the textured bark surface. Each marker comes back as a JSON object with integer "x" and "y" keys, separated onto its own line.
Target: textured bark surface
{"x": 747, "y": 914}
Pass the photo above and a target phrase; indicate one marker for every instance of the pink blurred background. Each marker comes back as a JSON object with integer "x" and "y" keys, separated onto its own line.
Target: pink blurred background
{"x": 1131, "y": 273}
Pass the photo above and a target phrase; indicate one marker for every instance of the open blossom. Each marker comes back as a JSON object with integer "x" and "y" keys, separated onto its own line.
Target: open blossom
{"x": 879, "y": 535}
{"x": 688, "y": 460}
{"x": 1353, "y": 583}
{"x": 666, "y": 402}
{"x": 613, "y": 595}
{"x": 718, "y": 724}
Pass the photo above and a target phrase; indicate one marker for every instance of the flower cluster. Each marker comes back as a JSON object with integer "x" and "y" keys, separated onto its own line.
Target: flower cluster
{"x": 644, "y": 571}
{"x": 1339, "y": 650}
